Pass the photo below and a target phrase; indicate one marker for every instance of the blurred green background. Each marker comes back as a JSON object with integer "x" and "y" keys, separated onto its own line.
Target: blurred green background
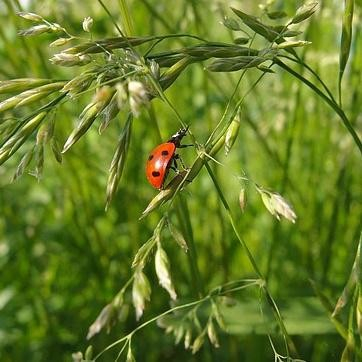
{"x": 62, "y": 257}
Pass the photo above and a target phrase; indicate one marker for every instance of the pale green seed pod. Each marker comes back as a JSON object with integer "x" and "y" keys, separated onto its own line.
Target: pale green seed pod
{"x": 59, "y": 42}
{"x": 211, "y": 333}
{"x": 359, "y": 313}
{"x": 177, "y": 235}
{"x": 103, "y": 320}
{"x": 24, "y": 163}
{"x": 292, "y": 44}
{"x": 198, "y": 342}
{"x": 304, "y": 12}
{"x": 130, "y": 357}
{"x": 56, "y": 150}
{"x": 70, "y": 60}
{"x": 155, "y": 69}
{"x": 21, "y": 84}
{"x": 35, "y": 30}
{"x": 78, "y": 84}
{"x": 179, "y": 333}
{"x": 87, "y": 24}
{"x": 188, "y": 337}
{"x": 162, "y": 267}
{"x": 118, "y": 161}
{"x": 88, "y": 116}
{"x": 141, "y": 292}
{"x": 138, "y": 96}
{"x": 108, "y": 113}
{"x": 276, "y": 204}
{"x": 88, "y": 356}
{"x": 17, "y": 140}
{"x": 242, "y": 199}
{"x": 232, "y": 133}
{"x": 30, "y": 16}
{"x": 164, "y": 195}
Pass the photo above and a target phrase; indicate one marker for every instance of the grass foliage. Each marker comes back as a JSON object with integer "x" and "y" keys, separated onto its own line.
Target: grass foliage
{"x": 252, "y": 252}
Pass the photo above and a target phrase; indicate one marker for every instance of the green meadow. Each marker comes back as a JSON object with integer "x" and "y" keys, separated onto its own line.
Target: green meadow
{"x": 251, "y": 248}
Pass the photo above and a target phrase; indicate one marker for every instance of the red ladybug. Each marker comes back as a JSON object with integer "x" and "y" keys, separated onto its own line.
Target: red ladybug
{"x": 162, "y": 158}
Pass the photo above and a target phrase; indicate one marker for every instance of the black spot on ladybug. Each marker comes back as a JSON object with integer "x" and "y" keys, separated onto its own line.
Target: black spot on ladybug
{"x": 155, "y": 174}
{"x": 164, "y": 153}
{"x": 150, "y": 157}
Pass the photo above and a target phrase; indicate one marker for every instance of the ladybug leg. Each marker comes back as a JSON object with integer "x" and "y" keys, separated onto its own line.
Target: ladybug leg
{"x": 184, "y": 146}
{"x": 174, "y": 163}
{"x": 177, "y": 157}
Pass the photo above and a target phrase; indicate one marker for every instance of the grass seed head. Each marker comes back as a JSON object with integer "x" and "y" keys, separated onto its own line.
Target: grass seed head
{"x": 36, "y": 30}
{"x": 211, "y": 333}
{"x": 59, "y": 42}
{"x": 359, "y": 313}
{"x": 78, "y": 84}
{"x": 138, "y": 96}
{"x": 304, "y": 12}
{"x": 70, "y": 60}
{"x": 104, "y": 319}
{"x": 17, "y": 140}
{"x": 88, "y": 115}
{"x": 141, "y": 292}
{"x": 198, "y": 343}
{"x": 232, "y": 133}
{"x": 21, "y": 84}
{"x": 30, "y": 16}
{"x": 242, "y": 199}
{"x": 87, "y": 24}
{"x": 277, "y": 205}
{"x": 162, "y": 267}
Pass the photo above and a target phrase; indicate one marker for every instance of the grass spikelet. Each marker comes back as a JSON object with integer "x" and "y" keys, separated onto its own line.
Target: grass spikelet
{"x": 88, "y": 116}
{"x": 21, "y": 84}
{"x": 30, "y": 96}
{"x": 118, "y": 161}
{"x": 17, "y": 140}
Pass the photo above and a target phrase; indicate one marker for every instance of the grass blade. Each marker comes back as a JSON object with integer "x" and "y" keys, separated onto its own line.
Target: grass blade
{"x": 346, "y": 38}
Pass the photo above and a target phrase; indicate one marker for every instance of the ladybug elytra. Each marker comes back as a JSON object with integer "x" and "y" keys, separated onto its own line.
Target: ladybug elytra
{"x": 162, "y": 158}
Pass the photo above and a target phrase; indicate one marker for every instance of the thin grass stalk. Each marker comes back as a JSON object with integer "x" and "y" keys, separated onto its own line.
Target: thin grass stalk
{"x": 313, "y": 72}
{"x": 330, "y": 102}
{"x": 192, "y": 254}
{"x": 220, "y": 290}
{"x": 154, "y": 319}
{"x": 287, "y": 340}
{"x": 346, "y": 40}
{"x": 111, "y": 17}
{"x": 333, "y": 224}
{"x": 285, "y": 181}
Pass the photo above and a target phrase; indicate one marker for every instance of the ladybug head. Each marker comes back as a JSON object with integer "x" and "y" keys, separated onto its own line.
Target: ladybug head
{"x": 177, "y": 137}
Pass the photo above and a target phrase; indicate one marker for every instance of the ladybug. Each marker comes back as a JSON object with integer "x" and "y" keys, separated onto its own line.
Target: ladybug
{"x": 162, "y": 158}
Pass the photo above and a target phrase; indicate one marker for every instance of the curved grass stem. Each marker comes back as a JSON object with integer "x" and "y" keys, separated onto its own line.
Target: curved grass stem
{"x": 288, "y": 343}
{"x": 328, "y": 100}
